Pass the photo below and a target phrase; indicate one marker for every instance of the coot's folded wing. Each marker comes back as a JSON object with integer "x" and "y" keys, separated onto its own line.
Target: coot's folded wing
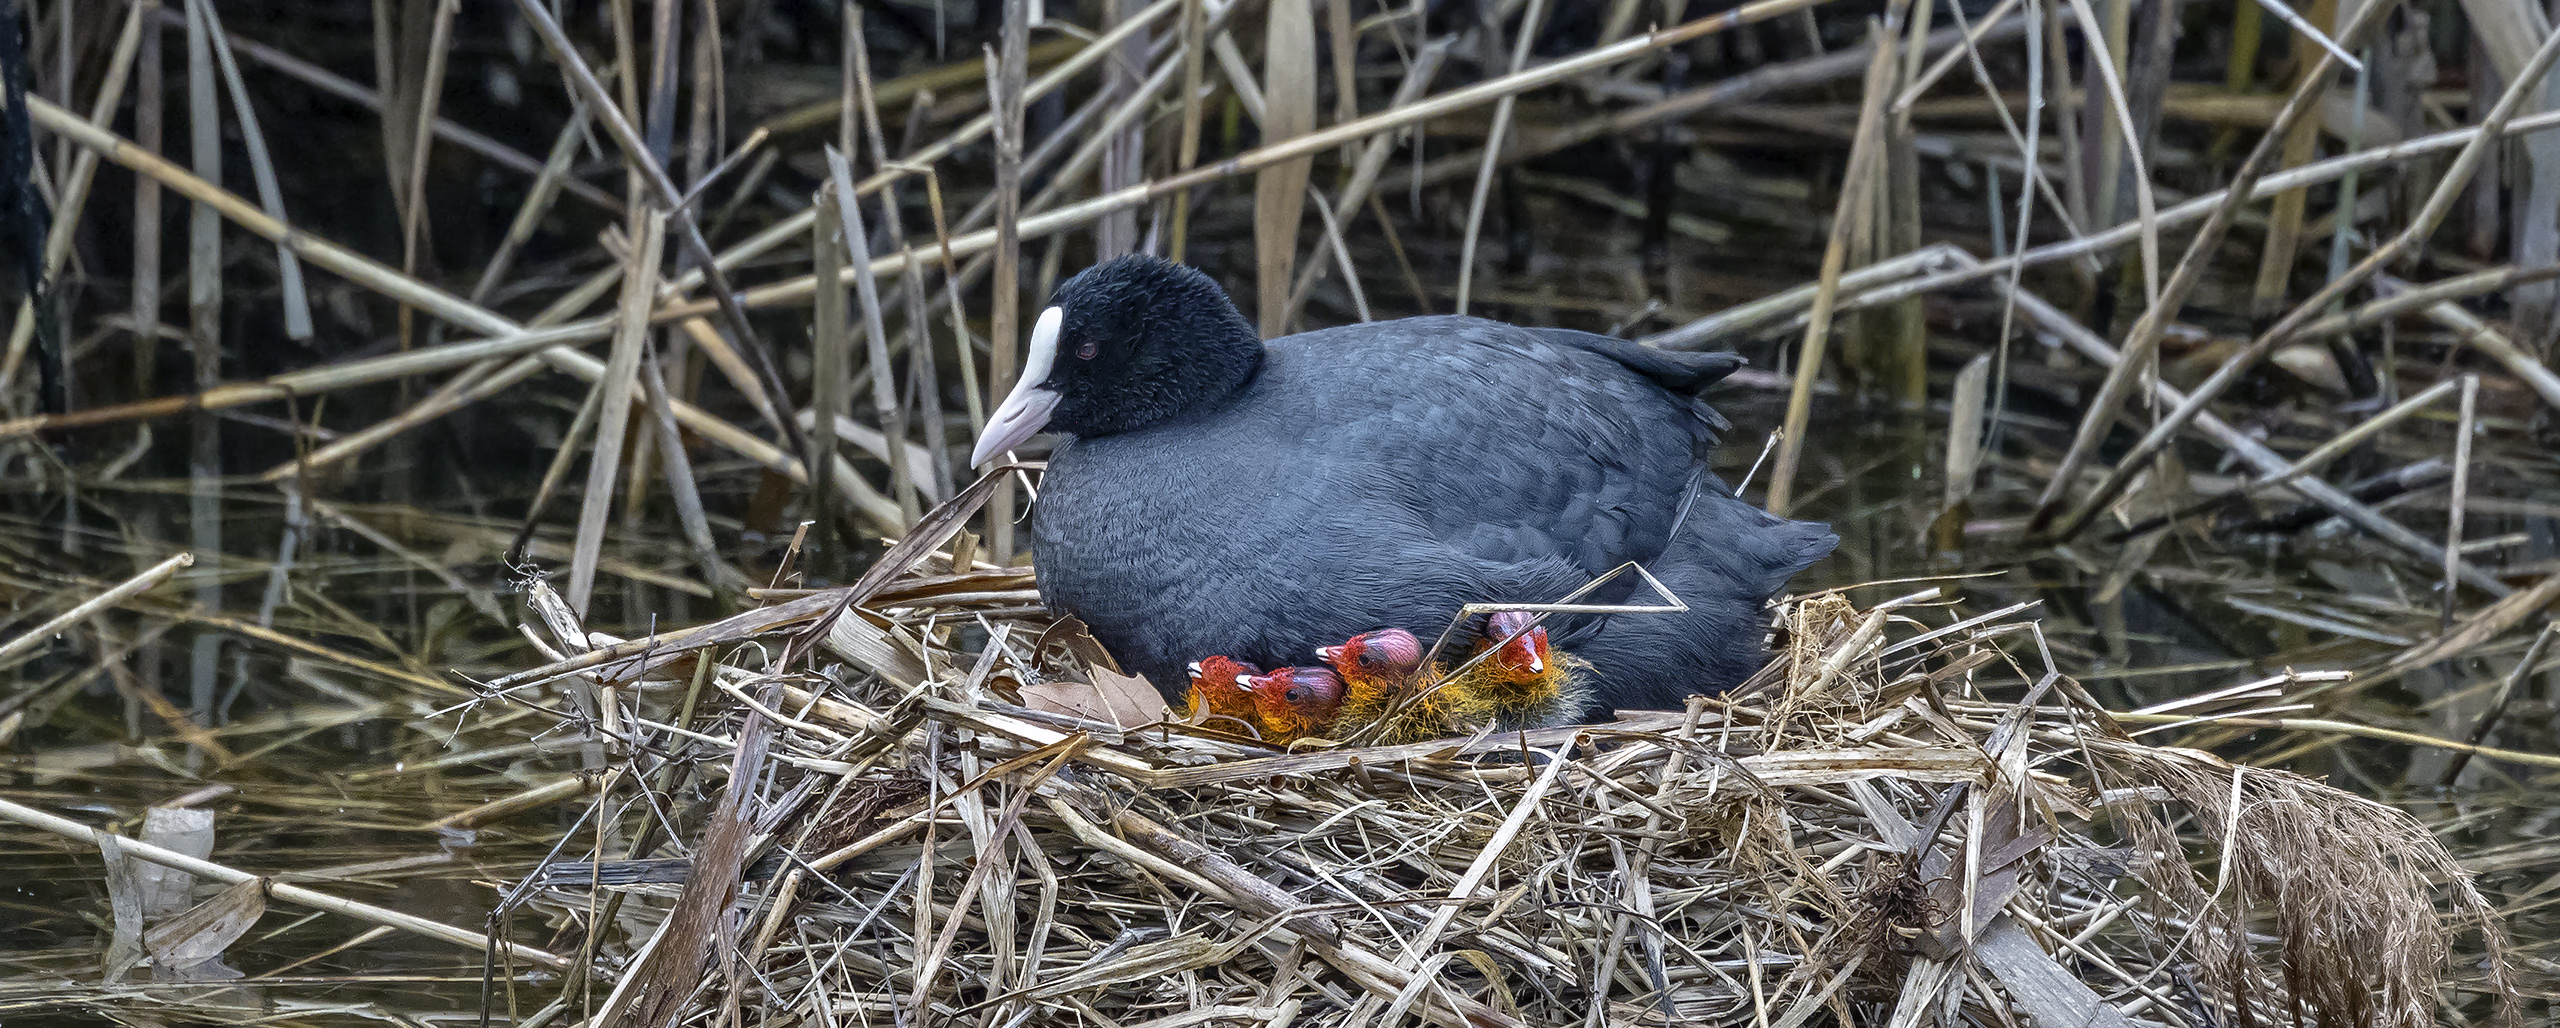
{"x": 1513, "y": 444}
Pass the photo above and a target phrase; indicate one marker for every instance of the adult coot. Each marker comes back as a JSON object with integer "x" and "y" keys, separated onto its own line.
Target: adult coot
{"x": 1222, "y": 495}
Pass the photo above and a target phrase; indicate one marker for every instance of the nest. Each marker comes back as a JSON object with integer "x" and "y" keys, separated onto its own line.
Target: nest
{"x": 1863, "y": 832}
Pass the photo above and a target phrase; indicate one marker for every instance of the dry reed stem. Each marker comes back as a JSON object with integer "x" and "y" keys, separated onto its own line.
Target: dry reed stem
{"x": 1280, "y": 190}
{"x": 1007, "y": 94}
{"x": 2421, "y": 225}
{"x": 1863, "y": 154}
{"x": 2143, "y": 340}
{"x": 830, "y": 368}
{"x": 287, "y": 892}
{"x": 619, "y": 380}
{"x": 1495, "y": 140}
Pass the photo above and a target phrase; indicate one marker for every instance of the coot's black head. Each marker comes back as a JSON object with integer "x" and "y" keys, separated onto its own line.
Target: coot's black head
{"x": 1130, "y": 342}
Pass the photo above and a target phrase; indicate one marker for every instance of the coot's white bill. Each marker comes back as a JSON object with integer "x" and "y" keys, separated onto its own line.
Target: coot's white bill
{"x": 1023, "y": 413}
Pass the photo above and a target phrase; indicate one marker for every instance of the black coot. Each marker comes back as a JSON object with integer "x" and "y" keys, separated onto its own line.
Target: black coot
{"x": 1221, "y": 495}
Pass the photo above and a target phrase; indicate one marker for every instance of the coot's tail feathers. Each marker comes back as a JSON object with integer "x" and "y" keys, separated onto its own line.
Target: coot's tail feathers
{"x": 1728, "y": 560}
{"x": 1684, "y": 372}
{"x": 1756, "y": 551}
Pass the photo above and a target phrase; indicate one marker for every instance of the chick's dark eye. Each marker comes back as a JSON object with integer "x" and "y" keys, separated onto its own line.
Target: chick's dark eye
{"x": 1297, "y": 695}
{"x": 1086, "y": 350}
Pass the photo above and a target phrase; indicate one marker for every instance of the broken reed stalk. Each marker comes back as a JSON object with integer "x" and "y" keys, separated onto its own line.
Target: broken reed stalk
{"x": 1854, "y": 186}
{"x": 1279, "y": 191}
{"x": 1187, "y": 148}
{"x": 924, "y": 366}
{"x": 830, "y": 368}
{"x": 1006, "y": 95}
{"x": 204, "y": 343}
{"x": 884, "y": 381}
{"x": 617, "y": 381}
{"x": 2461, "y": 498}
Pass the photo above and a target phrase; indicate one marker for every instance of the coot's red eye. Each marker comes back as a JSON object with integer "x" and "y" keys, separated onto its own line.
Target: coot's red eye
{"x": 1086, "y": 350}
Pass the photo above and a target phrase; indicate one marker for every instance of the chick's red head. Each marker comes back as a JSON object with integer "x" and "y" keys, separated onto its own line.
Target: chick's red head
{"x": 1214, "y": 681}
{"x": 1294, "y": 702}
{"x": 1526, "y": 651}
{"x": 1383, "y": 654}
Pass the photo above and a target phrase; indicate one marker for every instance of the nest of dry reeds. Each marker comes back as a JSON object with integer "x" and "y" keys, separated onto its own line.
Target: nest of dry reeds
{"x": 1909, "y": 811}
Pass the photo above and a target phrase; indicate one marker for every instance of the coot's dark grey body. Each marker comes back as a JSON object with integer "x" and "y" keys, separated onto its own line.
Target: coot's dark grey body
{"x": 1383, "y": 475}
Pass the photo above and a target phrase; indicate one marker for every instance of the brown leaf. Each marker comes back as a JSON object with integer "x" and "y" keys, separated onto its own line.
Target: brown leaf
{"x": 1124, "y": 700}
{"x": 1071, "y": 633}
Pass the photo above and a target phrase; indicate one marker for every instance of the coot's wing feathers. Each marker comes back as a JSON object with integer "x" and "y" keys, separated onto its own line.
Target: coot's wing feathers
{"x": 1687, "y": 373}
{"x": 1509, "y": 443}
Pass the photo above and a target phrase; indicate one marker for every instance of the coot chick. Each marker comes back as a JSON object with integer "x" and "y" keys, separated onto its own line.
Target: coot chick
{"x": 1382, "y": 671}
{"x": 1378, "y": 662}
{"x": 1294, "y": 703}
{"x": 1380, "y": 474}
{"x": 1386, "y": 707}
{"x": 1216, "y": 686}
{"x": 1525, "y": 680}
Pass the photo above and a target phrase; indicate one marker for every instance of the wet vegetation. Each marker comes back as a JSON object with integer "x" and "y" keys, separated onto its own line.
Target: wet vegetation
{"x": 461, "y": 564}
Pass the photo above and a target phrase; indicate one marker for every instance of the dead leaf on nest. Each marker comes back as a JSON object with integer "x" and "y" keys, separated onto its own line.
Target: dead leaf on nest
{"x": 1071, "y": 633}
{"x": 1124, "y": 700}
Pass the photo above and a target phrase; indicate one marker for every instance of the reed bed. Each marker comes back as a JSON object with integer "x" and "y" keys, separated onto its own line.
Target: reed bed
{"x": 429, "y": 536}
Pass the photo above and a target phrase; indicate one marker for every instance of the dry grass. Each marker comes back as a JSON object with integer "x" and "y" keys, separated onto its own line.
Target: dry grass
{"x": 1879, "y": 819}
